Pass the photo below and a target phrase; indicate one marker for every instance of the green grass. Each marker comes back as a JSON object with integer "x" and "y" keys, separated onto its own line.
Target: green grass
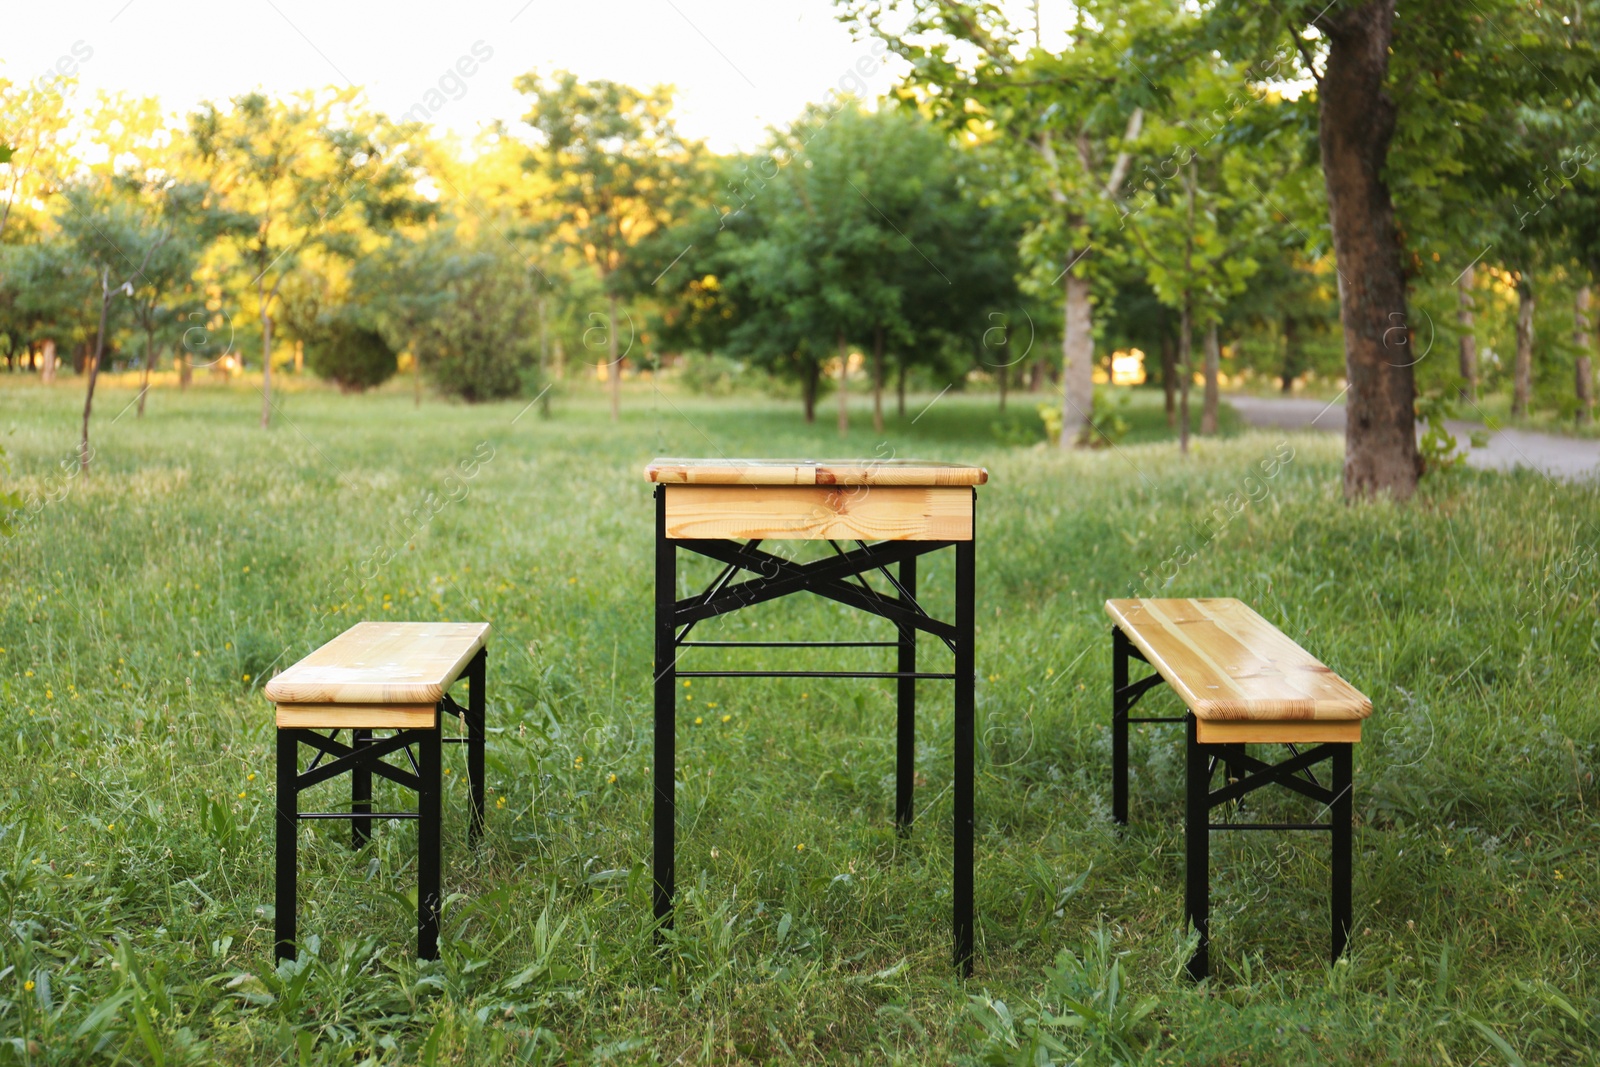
{"x": 144, "y": 604}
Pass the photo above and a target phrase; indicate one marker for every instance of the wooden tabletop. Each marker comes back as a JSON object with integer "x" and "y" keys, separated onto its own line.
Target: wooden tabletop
{"x": 812, "y": 472}
{"x": 382, "y": 663}
{"x": 1228, "y": 663}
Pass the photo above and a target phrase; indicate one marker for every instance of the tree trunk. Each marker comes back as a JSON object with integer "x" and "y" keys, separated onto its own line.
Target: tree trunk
{"x": 844, "y": 380}
{"x": 1291, "y": 355}
{"x": 1356, "y": 121}
{"x": 808, "y": 391}
{"x": 266, "y": 366}
{"x": 877, "y": 380}
{"x": 1522, "y": 373}
{"x": 416, "y": 380}
{"x": 544, "y": 364}
{"x": 1208, "y": 414}
{"x": 94, "y": 366}
{"x": 1185, "y": 373}
{"x": 1469, "y": 339}
{"x": 615, "y": 374}
{"x": 149, "y": 358}
{"x": 47, "y": 363}
{"x": 1036, "y": 376}
{"x": 900, "y": 389}
{"x": 185, "y": 369}
{"x": 1004, "y": 370}
{"x": 1584, "y": 368}
{"x": 1077, "y": 363}
{"x": 1169, "y": 378}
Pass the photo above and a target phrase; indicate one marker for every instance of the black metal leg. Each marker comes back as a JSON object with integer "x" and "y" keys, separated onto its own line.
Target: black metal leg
{"x": 288, "y": 824}
{"x": 1197, "y": 840}
{"x": 1119, "y": 727}
{"x": 666, "y": 697}
{"x": 965, "y": 672}
{"x": 905, "y": 750}
{"x": 429, "y": 816}
{"x": 360, "y": 793}
{"x": 1341, "y": 817}
{"x": 477, "y": 707}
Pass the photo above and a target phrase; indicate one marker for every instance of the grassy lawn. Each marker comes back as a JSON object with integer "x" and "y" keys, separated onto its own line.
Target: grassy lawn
{"x": 144, "y": 605}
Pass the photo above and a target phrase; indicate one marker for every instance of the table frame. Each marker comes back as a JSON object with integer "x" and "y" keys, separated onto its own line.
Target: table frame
{"x": 840, "y": 578}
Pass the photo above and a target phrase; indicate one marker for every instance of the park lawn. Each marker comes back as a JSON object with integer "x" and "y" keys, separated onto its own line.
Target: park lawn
{"x": 144, "y": 604}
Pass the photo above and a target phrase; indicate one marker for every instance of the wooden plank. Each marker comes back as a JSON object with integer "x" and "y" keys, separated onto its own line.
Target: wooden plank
{"x": 880, "y": 513}
{"x": 357, "y": 716}
{"x": 1227, "y": 662}
{"x": 1276, "y": 732}
{"x": 812, "y": 472}
{"x": 382, "y": 663}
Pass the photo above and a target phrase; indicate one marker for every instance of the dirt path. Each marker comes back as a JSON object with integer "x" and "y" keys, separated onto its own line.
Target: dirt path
{"x": 1558, "y": 457}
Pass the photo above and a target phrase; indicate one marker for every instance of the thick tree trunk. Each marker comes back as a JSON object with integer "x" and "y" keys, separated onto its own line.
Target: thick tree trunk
{"x": 266, "y": 365}
{"x": 1169, "y": 378}
{"x": 185, "y": 369}
{"x": 615, "y": 369}
{"x": 877, "y": 380}
{"x": 1077, "y": 363}
{"x": 94, "y": 367}
{"x": 1036, "y": 376}
{"x": 47, "y": 363}
{"x": 808, "y": 391}
{"x": 1185, "y": 373}
{"x": 149, "y": 358}
{"x": 1581, "y": 337}
{"x": 1469, "y": 338}
{"x": 844, "y": 381}
{"x": 1522, "y": 372}
{"x": 1356, "y": 120}
{"x": 1208, "y": 414}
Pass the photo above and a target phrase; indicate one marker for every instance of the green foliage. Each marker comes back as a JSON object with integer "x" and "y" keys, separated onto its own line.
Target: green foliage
{"x": 353, "y": 357}
{"x": 467, "y": 315}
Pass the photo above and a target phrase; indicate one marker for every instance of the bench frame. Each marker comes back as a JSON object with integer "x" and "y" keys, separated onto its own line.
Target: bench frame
{"x": 362, "y": 759}
{"x": 1244, "y": 774}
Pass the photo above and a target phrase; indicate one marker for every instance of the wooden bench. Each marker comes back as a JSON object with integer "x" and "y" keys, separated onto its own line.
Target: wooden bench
{"x": 1243, "y": 682}
{"x": 390, "y": 676}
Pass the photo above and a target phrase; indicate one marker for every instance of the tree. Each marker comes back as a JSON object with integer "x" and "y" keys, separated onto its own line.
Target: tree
{"x": 467, "y": 315}
{"x": 106, "y": 233}
{"x": 169, "y": 271}
{"x": 310, "y": 171}
{"x": 1422, "y": 85}
{"x": 614, "y": 157}
{"x": 1198, "y": 218}
{"x": 1072, "y": 115}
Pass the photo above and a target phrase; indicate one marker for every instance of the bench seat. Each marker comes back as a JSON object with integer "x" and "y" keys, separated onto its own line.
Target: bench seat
{"x": 1243, "y": 678}
{"x": 376, "y": 675}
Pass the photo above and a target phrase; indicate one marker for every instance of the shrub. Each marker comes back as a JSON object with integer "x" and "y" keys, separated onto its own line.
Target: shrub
{"x": 352, "y": 357}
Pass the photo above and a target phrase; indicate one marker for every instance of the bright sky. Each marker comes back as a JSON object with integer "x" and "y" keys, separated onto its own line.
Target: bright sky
{"x": 738, "y": 67}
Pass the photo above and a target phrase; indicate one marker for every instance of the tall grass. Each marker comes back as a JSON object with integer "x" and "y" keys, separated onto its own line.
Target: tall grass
{"x": 145, "y": 604}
